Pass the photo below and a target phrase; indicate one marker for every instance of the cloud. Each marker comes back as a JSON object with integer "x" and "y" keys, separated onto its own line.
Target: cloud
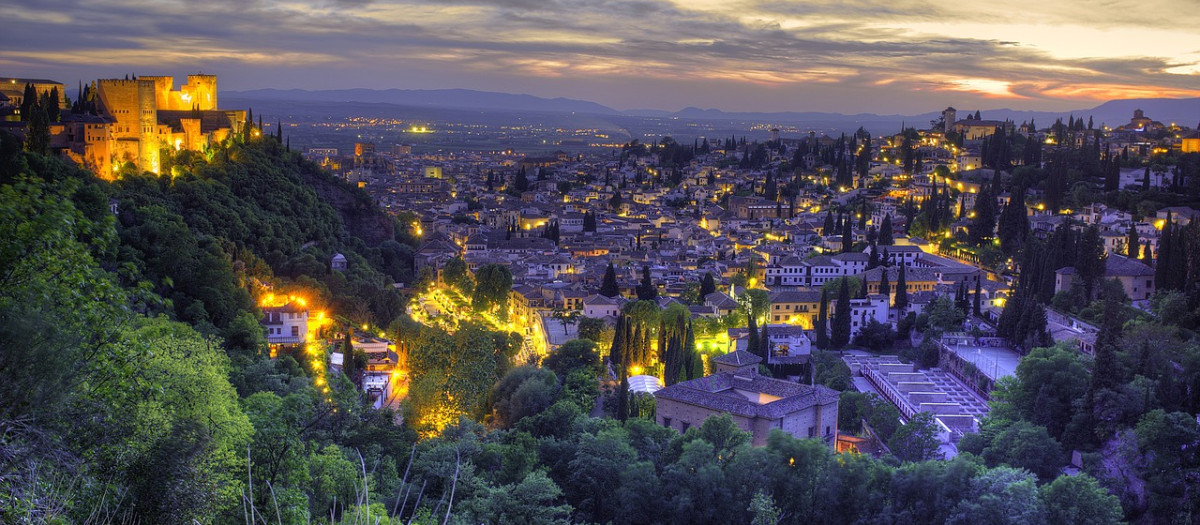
{"x": 905, "y": 51}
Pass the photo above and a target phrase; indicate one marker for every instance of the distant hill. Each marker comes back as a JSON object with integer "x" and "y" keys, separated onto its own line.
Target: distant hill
{"x": 380, "y": 102}
{"x": 446, "y": 98}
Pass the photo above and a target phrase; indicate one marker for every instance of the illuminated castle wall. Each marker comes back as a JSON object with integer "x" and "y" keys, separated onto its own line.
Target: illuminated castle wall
{"x": 200, "y": 92}
{"x": 146, "y": 115}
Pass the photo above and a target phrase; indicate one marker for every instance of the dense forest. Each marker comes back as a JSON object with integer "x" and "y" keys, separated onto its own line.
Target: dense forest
{"x": 137, "y": 389}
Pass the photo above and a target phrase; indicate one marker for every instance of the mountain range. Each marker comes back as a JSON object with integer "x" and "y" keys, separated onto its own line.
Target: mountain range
{"x": 1185, "y": 111}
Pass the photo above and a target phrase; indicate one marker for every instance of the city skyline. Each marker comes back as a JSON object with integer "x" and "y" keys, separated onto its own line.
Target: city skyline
{"x": 864, "y": 56}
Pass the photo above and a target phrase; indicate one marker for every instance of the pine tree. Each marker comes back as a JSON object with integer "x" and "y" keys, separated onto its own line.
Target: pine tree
{"x": 609, "y": 287}
{"x": 901, "y": 302}
{"x": 841, "y": 318}
{"x": 822, "y": 325}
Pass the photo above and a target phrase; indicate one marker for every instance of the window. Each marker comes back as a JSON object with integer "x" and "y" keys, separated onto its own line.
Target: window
{"x": 683, "y": 426}
{"x": 667, "y": 422}
{"x": 812, "y": 431}
{"x": 295, "y": 331}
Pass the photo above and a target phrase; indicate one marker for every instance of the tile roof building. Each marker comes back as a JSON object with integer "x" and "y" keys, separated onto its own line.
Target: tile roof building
{"x": 756, "y": 403}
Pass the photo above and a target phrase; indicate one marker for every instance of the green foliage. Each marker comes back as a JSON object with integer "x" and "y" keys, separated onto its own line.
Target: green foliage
{"x": 523, "y": 391}
{"x": 1023, "y": 445}
{"x": 915, "y": 440}
{"x": 493, "y": 283}
{"x": 1079, "y": 499}
{"x": 576, "y": 354}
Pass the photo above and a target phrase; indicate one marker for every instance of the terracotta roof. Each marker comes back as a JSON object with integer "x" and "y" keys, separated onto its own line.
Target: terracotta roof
{"x": 720, "y": 392}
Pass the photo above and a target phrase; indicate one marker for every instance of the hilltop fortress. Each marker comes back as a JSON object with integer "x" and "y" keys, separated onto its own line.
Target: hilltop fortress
{"x": 135, "y": 119}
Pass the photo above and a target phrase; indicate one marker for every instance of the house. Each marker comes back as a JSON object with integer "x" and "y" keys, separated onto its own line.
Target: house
{"x": 286, "y": 325}
{"x": 794, "y": 307}
{"x": 1136, "y": 278}
{"x": 598, "y": 306}
{"x": 757, "y": 404}
{"x": 722, "y": 303}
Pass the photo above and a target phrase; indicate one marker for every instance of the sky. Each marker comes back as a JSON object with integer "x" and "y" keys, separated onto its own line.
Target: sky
{"x": 847, "y": 56}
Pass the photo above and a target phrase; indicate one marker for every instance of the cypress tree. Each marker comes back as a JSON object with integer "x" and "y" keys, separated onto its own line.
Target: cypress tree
{"x": 53, "y": 111}
{"x": 822, "y": 324}
{"x": 885, "y": 287}
{"x": 348, "y": 354}
{"x": 752, "y": 333}
{"x": 1132, "y": 243}
{"x": 901, "y": 302}
{"x": 38, "y": 138}
{"x": 609, "y": 287}
{"x": 829, "y": 227}
{"x": 1164, "y": 257}
{"x": 885, "y": 231}
{"x": 646, "y": 291}
{"x": 1147, "y": 256}
{"x": 707, "y": 285}
{"x": 847, "y": 236}
{"x": 764, "y": 342}
{"x": 841, "y": 319}
{"x": 28, "y": 102}
{"x": 978, "y": 295}
{"x": 693, "y": 364}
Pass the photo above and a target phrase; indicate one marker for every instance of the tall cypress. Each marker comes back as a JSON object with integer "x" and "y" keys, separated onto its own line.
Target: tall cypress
{"x": 976, "y": 299}
{"x": 847, "y": 236}
{"x": 752, "y": 334}
{"x": 885, "y": 287}
{"x": 764, "y": 343}
{"x": 707, "y": 285}
{"x": 841, "y": 319}
{"x": 348, "y": 354}
{"x": 1132, "y": 243}
{"x": 608, "y": 286}
{"x": 822, "y": 324}
{"x": 885, "y": 231}
{"x": 901, "y": 302}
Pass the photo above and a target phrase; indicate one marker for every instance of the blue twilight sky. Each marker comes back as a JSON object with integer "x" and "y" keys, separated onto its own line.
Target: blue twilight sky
{"x": 883, "y": 56}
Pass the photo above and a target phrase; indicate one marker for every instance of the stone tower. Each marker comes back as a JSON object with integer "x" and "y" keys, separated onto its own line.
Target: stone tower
{"x": 132, "y": 104}
{"x": 202, "y": 91}
{"x": 950, "y": 116}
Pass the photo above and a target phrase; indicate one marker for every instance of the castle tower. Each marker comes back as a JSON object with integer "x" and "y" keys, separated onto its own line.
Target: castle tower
{"x": 949, "y": 116}
{"x": 200, "y": 90}
{"x": 132, "y": 103}
{"x": 162, "y": 90}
